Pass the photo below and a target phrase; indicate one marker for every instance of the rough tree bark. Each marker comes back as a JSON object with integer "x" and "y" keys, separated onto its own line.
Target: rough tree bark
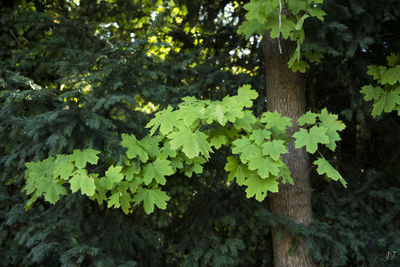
{"x": 286, "y": 94}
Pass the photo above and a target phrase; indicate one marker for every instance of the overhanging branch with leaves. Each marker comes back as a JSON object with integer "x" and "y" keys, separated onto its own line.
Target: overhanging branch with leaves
{"x": 180, "y": 141}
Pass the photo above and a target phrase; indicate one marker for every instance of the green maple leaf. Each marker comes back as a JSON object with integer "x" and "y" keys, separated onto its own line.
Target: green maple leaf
{"x": 125, "y": 200}
{"x": 40, "y": 168}
{"x": 191, "y": 115}
{"x": 273, "y": 25}
{"x": 232, "y": 107}
{"x": 52, "y": 189}
{"x": 157, "y": 170}
{"x": 130, "y": 171}
{"x": 113, "y": 176}
{"x": 194, "y": 167}
{"x": 391, "y": 76}
{"x": 236, "y": 170}
{"x": 30, "y": 186}
{"x": 63, "y": 167}
{"x": 297, "y": 6}
{"x": 245, "y": 148}
{"x": 166, "y": 151}
{"x": 80, "y": 180}
{"x": 150, "y": 145}
{"x": 258, "y": 187}
{"x": 246, "y": 95}
{"x": 307, "y": 118}
{"x": 311, "y": 138}
{"x": 192, "y": 100}
{"x": 218, "y": 141}
{"x": 296, "y": 64}
{"x": 252, "y": 7}
{"x": 249, "y": 27}
{"x": 333, "y": 137}
{"x": 274, "y": 149}
{"x": 151, "y": 198}
{"x": 333, "y": 125}
{"x": 53, "y": 192}
{"x": 284, "y": 172}
{"x": 123, "y": 186}
{"x": 393, "y": 59}
{"x": 376, "y": 71}
{"x": 192, "y": 143}
{"x": 386, "y": 102}
{"x": 370, "y": 92}
{"x": 275, "y": 121}
{"x": 215, "y": 112}
{"x": 264, "y": 166}
{"x": 246, "y": 123}
{"x": 330, "y": 119}
{"x": 113, "y": 200}
{"x": 81, "y": 157}
{"x": 101, "y": 191}
{"x": 258, "y": 136}
{"x": 317, "y": 12}
{"x": 135, "y": 184}
{"x": 324, "y": 167}
{"x": 220, "y": 136}
{"x": 134, "y": 148}
{"x": 177, "y": 163}
{"x": 164, "y": 119}
{"x": 287, "y": 27}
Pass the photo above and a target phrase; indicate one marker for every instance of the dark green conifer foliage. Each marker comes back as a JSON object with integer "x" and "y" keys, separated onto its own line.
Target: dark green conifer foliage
{"x": 64, "y": 88}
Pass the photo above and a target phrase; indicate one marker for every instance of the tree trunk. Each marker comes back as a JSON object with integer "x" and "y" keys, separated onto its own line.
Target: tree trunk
{"x": 286, "y": 94}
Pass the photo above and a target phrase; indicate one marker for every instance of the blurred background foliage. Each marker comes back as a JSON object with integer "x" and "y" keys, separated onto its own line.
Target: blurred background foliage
{"x": 77, "y": 74}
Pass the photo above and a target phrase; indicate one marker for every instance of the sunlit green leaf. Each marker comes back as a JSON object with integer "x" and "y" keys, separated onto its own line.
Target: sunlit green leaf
{"x": 157, "y": 170}
{"x": 310, "y": 139}
{"x": 81, "y": 180}
{"x": 258, "y": 187}
{"x": 151, "y": 198}
{"x": 324, "y": 167}
{"x": 134, "y": 147}
{"x": 236, "y": 170}
{"x": 193, "y": 144}
{"x": 163, "y": 120}
{"x": 81, "y": 157}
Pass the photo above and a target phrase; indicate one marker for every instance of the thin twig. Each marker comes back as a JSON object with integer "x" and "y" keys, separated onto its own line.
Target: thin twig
{"x": 16, "y": 39}
{"x": 279, "y": 27}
